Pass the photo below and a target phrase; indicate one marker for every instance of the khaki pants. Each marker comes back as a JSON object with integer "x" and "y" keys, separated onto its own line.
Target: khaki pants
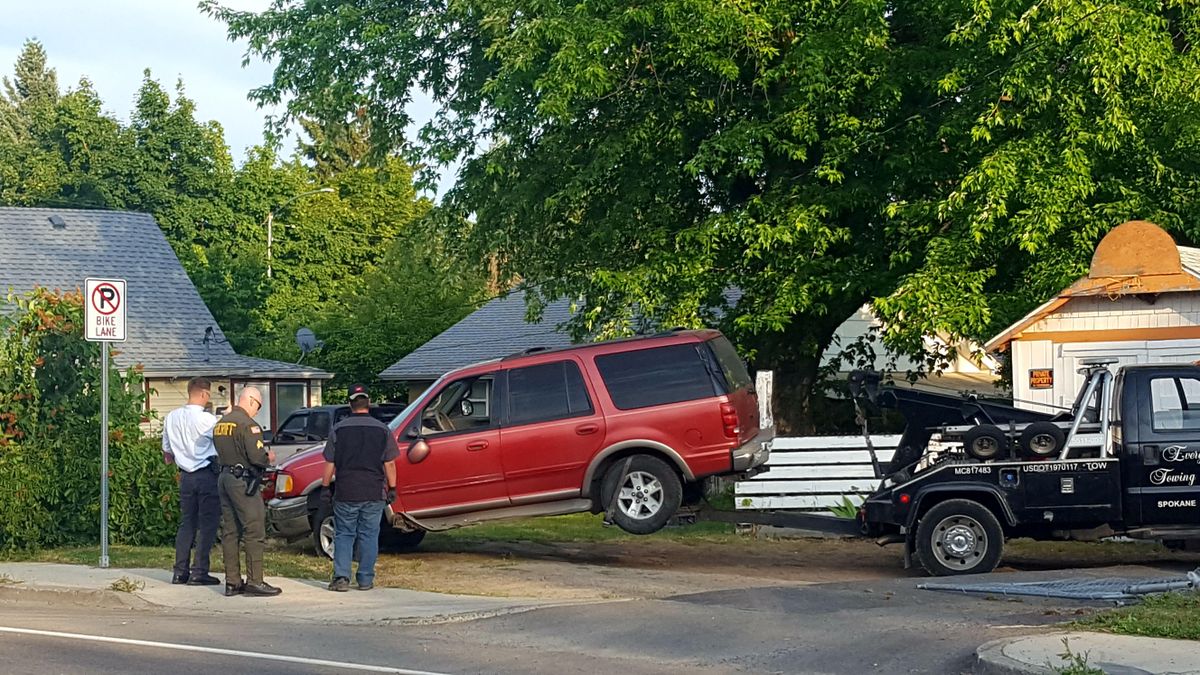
{"x": 243, "y": 527}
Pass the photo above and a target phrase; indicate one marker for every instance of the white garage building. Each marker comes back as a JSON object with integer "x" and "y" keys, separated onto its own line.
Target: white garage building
{"x": 1139, "y": 303}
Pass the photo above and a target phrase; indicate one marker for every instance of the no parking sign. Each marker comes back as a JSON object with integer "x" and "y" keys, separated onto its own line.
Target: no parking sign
{"x": 104, "y": 310}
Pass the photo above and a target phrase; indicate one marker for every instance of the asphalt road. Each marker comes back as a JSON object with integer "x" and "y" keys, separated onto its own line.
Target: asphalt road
{"x": 884, "y": 626}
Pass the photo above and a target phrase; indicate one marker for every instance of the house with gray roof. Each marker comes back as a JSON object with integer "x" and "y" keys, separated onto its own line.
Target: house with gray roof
{"x": 171, "y": 333}
{"x": 498, "y": 329}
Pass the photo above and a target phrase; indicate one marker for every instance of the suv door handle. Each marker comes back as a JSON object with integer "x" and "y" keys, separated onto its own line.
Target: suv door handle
{"x": 476, "y": 446}
{"x": 585, "y": 429}
{"x": 1150, "y": 455}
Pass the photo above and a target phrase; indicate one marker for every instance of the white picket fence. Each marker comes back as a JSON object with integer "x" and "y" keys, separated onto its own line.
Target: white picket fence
{"x": 813, "y": 473}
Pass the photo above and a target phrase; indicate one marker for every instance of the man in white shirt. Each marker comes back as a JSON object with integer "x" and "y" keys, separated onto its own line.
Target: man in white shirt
{"x": 187, "y": 442}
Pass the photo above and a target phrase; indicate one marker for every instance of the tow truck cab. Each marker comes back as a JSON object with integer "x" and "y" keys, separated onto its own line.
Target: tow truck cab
{"x": 1126, "y": 462}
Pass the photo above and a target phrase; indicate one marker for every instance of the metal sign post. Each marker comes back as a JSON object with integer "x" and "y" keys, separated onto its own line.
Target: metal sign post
{"x": 104, "y": 322}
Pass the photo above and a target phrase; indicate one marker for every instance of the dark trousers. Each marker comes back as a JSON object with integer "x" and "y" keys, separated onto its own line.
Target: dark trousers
{"x": 200, "y": 514}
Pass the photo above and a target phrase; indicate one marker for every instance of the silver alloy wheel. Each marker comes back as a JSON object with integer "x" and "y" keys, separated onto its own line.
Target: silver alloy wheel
{"x": 327, "y": 537}
{"x": 641, "y": 495}
{"x": 959, "y": 542}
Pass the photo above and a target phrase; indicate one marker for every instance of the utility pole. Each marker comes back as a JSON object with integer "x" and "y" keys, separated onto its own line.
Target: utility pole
{"x": 271, "y": 221}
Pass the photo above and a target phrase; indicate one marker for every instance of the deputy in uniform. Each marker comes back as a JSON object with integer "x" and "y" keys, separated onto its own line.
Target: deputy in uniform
{"x": 243, "y": 457}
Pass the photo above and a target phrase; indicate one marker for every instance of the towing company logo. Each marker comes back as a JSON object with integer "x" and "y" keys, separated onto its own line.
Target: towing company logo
{"x": 1180, "y": 453}
{"x": 1169, "y": 477}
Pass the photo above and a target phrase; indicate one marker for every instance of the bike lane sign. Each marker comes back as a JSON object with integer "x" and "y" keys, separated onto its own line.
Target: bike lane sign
{"x": 104, "y": 310}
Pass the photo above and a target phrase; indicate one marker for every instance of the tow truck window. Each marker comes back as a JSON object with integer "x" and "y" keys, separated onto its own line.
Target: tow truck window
{"x": 1175, "y": 403}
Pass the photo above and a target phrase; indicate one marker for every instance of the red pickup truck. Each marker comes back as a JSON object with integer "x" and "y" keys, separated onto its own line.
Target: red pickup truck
{"x": 629, "y": 428}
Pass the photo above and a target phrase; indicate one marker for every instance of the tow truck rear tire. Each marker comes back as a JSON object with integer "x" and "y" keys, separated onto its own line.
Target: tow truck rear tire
{"x": 959, "y": 536}
{"x": 1042, "y": 439}
{"x": 985, "y": 441}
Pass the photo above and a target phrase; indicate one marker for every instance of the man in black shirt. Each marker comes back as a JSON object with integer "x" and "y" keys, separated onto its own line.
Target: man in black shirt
{"x": 361, "y": 452}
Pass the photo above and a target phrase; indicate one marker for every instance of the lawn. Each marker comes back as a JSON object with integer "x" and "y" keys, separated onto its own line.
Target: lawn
{"x": 1171, "y": 615}
{"x": 297, "y": 560}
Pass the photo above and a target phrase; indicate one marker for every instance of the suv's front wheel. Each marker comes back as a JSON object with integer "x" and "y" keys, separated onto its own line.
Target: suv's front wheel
{"x": 641, "y": 493}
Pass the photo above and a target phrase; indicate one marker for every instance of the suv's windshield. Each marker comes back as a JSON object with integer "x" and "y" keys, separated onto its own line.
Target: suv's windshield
{"x": 399, "y": 419}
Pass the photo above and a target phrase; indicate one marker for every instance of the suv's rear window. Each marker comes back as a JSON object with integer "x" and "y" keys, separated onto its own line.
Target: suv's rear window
{"x": 736, "y": 375}
{"x": 655, "y": 376}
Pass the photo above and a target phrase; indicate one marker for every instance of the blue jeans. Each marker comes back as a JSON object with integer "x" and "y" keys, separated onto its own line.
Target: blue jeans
{"x": 356, "y": 522}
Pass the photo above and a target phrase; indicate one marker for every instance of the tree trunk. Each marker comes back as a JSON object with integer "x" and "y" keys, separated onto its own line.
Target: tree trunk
{"x": 791, "y": 402}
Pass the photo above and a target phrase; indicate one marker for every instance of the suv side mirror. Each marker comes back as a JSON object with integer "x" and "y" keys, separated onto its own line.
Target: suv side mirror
{"x": 268, "y": 436}
{"x": 417, "y": 452}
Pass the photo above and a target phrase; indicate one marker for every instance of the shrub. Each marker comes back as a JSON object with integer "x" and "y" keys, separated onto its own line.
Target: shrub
{"x": 50, "y": 432}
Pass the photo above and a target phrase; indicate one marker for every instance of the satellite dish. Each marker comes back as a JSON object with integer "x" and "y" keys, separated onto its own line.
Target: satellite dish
{"x": 307, "y": 341}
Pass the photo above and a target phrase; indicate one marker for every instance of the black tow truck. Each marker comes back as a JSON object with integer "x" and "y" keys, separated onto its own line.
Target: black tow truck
{"x": 969, "y": 474}
{"x": 1123, "y": 461}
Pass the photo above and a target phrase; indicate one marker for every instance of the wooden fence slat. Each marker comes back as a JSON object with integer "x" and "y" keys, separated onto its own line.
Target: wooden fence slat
{"x": 811, "y": 472}
{"x": 833, "y": 442}
{"x": 789, "y": 487}
{"x": 811, "y": 457}
{"x": 793, "y": 502}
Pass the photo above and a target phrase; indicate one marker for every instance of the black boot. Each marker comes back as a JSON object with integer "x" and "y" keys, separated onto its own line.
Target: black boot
{"x": 232, "y": 589}
{"x": 262, "y": 590}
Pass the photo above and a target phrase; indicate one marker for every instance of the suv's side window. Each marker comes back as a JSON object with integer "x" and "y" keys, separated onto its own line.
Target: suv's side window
{"x": 656, "y": 376}
{"x": 1175, "y": 403}
{"x": 462, "y": 405}
{"x": 549, "y": 391}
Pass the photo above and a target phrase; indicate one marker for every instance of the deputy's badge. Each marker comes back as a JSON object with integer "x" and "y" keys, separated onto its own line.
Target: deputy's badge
{"x": 255, "y": 429}
{"x": 260, "y": 445}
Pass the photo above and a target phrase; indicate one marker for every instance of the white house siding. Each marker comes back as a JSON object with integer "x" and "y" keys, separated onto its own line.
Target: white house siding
{"x": 1067, "y": 358}
{"x": 1170, "y": 310}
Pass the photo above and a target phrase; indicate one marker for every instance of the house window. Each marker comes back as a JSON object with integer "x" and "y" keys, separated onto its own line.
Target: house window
{"x": 264, "y": 414}
{"x": 290, "y": 397}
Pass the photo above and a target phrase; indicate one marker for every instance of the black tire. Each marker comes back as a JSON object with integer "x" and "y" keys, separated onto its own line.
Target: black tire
{"x": 985, "y": 442}
{"x": 322, "y": 528}
{"x": 650, "y": 493}
{"x": 1042, "y": 439}
{"x": 399, "y": 541}
{"x": 959, "y": 536}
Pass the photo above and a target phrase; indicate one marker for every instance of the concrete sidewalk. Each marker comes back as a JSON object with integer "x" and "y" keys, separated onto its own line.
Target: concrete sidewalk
{"x": 301, "y": 599}
{"x": 1114, "y": 654}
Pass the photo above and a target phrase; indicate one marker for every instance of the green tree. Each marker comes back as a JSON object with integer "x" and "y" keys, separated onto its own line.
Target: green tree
{"x": 420, "y": 288}
{"x": 952, "y": 161}
{"x": 50, "y": 431}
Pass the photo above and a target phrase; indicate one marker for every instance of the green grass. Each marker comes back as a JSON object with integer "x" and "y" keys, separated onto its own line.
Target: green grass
{"x": 1170, "y": 615}
{"x": 286, "y": 563}
{"x": 579, "y": 527}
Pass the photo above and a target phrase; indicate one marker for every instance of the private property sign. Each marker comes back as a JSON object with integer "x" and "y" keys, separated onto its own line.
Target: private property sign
{"x": 104, "y": 310}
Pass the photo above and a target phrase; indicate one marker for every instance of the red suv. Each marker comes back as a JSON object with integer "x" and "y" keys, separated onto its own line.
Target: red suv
{"x": 627, "y": 427}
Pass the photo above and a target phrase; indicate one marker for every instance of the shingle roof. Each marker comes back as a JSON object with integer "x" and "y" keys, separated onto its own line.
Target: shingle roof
{"x": 496, "y": 329}
{"x": 166, "y": 316}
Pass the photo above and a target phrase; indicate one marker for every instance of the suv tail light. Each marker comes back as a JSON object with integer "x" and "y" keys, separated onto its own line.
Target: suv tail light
{"x": 729, "y": 419}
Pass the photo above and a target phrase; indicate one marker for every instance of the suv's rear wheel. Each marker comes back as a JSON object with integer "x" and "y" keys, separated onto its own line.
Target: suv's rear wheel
{"x": 641, "y": 493}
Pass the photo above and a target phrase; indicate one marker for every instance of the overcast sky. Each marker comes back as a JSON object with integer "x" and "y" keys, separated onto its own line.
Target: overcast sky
{"x": 112, "y": 41}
